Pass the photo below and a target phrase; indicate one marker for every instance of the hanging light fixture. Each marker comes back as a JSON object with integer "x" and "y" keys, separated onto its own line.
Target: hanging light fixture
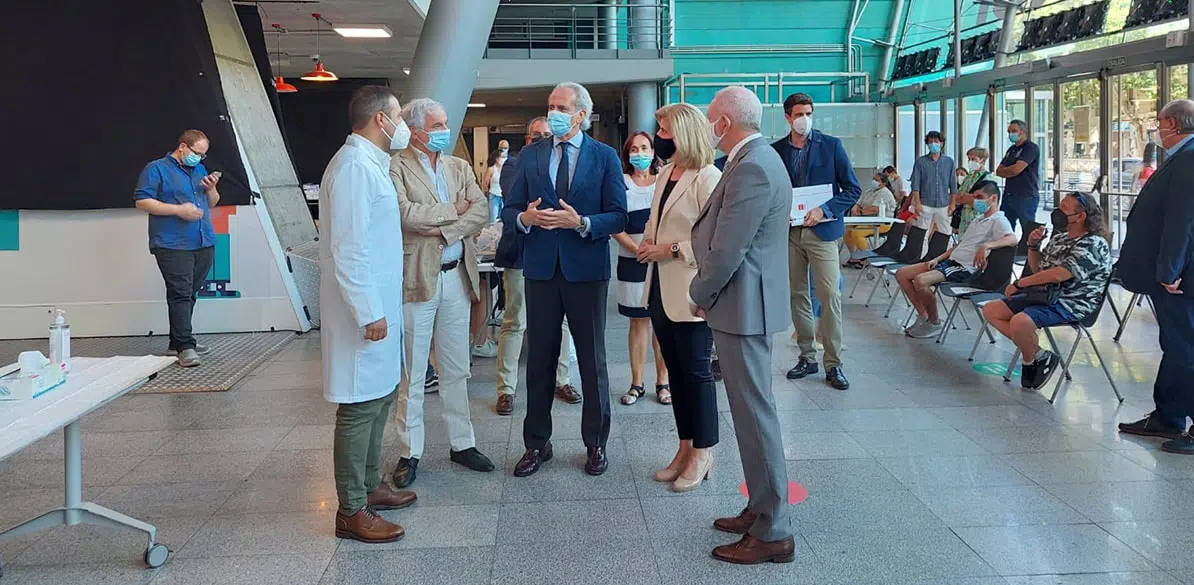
{"x": 318, "y": 73}
{"x": 280, "y": 84}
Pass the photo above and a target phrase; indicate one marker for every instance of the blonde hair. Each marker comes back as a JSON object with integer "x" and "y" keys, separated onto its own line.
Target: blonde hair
{"x": 979, "y": 152}
{"x": 688, "y": 126}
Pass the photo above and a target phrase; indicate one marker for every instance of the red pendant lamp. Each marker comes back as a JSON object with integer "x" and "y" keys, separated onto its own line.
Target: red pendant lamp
{"x": 318, "y": 73}
{"x": 280, "y": 84}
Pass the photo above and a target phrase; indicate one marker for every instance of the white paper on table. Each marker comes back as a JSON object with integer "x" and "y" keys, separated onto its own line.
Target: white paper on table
{"x": 804, "y": 199}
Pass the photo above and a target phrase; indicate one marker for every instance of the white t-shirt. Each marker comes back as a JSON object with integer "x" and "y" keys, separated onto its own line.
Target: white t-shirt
{"x": 982, "y": 230}
{"x": 495, "y": 181}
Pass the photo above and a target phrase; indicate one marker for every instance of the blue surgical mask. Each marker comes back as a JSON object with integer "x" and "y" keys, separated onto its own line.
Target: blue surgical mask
{"x": 437, "y": 140}
{"x": 874, "y": 184}
{"x": 1013, "y": 137}
{"x": 934, "y": 148}
{"x": 191, "y": 159}
{"x": 981, "y": 206}
{"x": 641, "y": 162}
{"x": 560, "y": 123}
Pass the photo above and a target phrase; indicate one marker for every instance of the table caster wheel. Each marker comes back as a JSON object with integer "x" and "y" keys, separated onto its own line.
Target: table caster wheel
{"x": 156, "y": 556}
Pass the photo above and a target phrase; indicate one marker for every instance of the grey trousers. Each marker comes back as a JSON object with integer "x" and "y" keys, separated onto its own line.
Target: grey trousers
{"x": 746, "y": 367}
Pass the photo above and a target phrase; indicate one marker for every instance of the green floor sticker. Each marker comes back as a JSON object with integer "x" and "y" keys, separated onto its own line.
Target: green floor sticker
{"x": 993, "y": 369}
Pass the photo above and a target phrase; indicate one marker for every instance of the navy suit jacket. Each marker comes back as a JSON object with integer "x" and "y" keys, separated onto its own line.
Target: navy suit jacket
{"x": 597, "y": 192}
{"x": 827, "y": 163}
{"x": 509, "y": 248}
{"x": 1159, "y": 245}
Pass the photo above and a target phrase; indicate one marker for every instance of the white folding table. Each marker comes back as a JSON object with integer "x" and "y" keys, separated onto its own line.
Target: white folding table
{"x": 871, "y": 221}
{"x": 92, "y": 383}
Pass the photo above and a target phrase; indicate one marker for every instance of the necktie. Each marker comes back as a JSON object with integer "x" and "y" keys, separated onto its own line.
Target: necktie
{"x": 562, "y": 173}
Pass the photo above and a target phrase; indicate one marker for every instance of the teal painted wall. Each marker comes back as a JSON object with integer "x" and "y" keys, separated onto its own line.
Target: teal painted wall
{"x": 10, "y": 230}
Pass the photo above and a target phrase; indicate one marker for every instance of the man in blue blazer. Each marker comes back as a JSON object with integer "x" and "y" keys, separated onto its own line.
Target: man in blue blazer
{"x": 568, "y": 198}
{"x": 1157, "y": 259}
{"x": 815, "y": 158}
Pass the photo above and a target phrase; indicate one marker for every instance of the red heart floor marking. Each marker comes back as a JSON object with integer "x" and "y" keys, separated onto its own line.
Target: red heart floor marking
{"x": 796, "y": 493}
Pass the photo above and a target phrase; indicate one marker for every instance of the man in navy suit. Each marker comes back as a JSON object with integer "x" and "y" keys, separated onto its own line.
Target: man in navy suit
{"x": 568, "y": 198}
{"x": 1157, "y": 259}
{"x": 815, "y": 158}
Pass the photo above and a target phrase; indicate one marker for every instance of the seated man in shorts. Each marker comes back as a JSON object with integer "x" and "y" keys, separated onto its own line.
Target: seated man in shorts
{"x": 988, "y": 231}
{"x": 1073, "y": 268}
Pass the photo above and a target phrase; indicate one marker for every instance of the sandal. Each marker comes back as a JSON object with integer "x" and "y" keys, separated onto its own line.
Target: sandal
{"x": 664, "y": 393}
{"x": 633, "y": 394}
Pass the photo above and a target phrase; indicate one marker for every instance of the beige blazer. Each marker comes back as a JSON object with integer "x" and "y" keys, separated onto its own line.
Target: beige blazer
{"x": 673, "y": 225}
{"x": 429, "y": 224}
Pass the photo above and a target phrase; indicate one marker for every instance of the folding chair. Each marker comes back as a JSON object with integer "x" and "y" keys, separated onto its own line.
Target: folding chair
{"x": 938, "y": 244}
{"x": 913, "y": 244}
{"x": 1081, "y": 331}
{"x": 991, "y": 281}
{"x": 891, "y": 245}
{"x": 1132, "y": 304}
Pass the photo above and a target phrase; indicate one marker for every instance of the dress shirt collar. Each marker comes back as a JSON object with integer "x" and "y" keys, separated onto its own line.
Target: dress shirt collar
{"x": 377, "y": 155}
{"x": 1179, "y": 145}
{"x": 738, "y": 147}
{"x": 576, "y": 140}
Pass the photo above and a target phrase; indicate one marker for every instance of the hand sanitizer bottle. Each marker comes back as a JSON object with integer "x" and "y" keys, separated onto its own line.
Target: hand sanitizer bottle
{"x": 60, "y": 341}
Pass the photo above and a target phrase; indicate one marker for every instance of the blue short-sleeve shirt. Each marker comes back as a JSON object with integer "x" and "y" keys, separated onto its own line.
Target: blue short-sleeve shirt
{"x": 169, "y": 181}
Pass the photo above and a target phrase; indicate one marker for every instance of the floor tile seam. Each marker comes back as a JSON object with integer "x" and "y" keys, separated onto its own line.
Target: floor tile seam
{"x": 1101, "y": 526}
{"x": 994, "y": 572}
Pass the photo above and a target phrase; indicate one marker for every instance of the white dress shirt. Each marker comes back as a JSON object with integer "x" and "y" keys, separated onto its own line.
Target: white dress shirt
{"x": 454, "y": 251}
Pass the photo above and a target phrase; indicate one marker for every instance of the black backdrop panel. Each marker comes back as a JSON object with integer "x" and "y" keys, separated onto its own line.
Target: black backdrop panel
{"x": 105, "y": 88}
{"x": 316, "y": 122}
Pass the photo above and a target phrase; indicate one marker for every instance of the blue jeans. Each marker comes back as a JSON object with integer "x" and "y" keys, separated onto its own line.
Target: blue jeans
{"x": 495, "y": 207}
{"x": 813, "y": 294}
{"x": 1172, "y": 393}
{"x": 1020, "y": 209}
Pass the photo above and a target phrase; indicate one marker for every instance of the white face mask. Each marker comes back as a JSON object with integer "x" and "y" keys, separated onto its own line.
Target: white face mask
{"x": 803, "y": 125}
{"x": 974, "y": 165}
{"x": 714, "y": 139}
{"x": 401, "y": 137}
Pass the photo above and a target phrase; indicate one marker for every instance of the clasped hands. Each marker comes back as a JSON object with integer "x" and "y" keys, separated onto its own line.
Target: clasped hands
{"x": 649, "y": 251}
{"x": 550, "y": 219}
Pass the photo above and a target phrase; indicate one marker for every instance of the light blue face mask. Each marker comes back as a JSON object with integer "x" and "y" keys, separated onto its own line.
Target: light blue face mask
{"x": 191, "y": 159}
{"x": 981, "y": 206}
{"x": 437, "y": 140}
{"x": 934, "y": 147}
{"x": 560, "y": 123}
{"x": 641, "y": 162}
{"x": 1013, "y": 137}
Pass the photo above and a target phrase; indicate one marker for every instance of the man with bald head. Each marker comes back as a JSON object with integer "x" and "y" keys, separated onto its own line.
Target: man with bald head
{"x": 741, "y": 289}
{"x": 1157, "y": 259}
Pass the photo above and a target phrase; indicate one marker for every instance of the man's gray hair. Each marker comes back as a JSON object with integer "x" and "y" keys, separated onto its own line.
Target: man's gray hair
{"x": 415, "y": 111}
{"x": 741, "y": 106}
{"x": 1182, "y": 112}
{"x": 582, "y": 101}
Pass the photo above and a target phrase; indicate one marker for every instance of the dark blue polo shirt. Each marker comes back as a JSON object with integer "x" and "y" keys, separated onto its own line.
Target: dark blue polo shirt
{"x": 169, "y": 181}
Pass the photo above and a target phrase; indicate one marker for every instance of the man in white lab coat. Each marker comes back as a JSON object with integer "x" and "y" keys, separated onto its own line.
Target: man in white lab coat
{"x": 360, "y": 296}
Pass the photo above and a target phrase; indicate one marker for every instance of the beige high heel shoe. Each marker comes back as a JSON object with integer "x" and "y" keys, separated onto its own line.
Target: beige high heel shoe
{"x": 671, "y": 472}
{"x": 704, "y": 471}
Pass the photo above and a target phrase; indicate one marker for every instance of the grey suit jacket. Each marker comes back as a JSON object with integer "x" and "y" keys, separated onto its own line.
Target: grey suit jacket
{"x": 740, "y": 241}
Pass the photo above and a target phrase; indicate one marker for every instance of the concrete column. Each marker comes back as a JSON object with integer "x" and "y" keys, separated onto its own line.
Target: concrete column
{"x": 609, "y": 24}
{"x": 450, "y": 49}
{"x": 644, "y": 24}
{"x": 642, "y": 99}
{"x": 480, "y": 149}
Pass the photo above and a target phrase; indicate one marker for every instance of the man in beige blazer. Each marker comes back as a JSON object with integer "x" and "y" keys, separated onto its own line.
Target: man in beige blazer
{"x": 442, "y": 209}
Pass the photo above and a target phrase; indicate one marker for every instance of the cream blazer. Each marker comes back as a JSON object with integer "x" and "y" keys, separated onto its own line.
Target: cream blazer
{"x": 673, "y": 225}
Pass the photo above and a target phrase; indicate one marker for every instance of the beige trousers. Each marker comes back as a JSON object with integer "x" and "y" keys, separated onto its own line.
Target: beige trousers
{"x": 514, "y": 326}
{"x": 805, "y": 251}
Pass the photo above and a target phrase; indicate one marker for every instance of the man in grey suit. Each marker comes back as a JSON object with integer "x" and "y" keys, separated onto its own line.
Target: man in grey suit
{"x": 741, "y": 289}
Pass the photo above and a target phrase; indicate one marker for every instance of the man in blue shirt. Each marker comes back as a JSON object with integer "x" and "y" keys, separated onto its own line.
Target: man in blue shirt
{"x": 1022, "y": 170}
{"x": 178, "y": 194}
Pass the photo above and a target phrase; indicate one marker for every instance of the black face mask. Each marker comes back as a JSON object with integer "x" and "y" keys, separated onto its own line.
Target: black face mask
{"x": 1060, "y": 221}
{"x": 665, "y": 148}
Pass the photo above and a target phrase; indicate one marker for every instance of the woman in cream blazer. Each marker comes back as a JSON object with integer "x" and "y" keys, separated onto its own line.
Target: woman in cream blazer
{"x": 685, "y": 341}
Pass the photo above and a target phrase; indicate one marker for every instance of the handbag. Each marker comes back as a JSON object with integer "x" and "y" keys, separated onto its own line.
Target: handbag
{"x": 1041, "y": 294}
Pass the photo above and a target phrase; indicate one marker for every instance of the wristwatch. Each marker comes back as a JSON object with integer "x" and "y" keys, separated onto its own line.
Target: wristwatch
{"x": 580, "y": 227}
{"x": 675, "y": 250}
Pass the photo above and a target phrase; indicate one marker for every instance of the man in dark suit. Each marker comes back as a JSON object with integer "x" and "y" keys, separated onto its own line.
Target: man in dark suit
{"x": 568, "y": 198}
{"x": 1157, "y": 259}
{"x": 815, "y": 158}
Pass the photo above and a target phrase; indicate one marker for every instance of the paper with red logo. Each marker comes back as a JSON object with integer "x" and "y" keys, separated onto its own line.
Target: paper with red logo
{"x": 804, "y": 199}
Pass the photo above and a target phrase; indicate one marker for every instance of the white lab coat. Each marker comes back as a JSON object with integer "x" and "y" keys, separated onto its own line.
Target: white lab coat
{"x": 360, "y": 263}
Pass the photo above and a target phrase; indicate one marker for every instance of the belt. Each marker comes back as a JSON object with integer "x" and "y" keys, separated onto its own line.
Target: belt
{"x": 449, "y": 266}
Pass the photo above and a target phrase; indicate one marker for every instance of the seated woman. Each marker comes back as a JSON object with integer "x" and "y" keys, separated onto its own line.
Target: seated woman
{"x": 1067, "y": 282}
{"x": 976, "y": 165}
{"x": 876, "y": 202}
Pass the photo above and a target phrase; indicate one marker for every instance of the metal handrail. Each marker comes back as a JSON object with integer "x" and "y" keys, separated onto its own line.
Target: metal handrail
{"x": 608, "y": 26}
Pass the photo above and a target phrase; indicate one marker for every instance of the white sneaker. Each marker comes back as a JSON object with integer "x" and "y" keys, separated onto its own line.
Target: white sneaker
{"x": 927, "y": 330}
{"x": 488, "y": 349}
{"x": 919, "y": 322}
{"x": 188, "y": 358}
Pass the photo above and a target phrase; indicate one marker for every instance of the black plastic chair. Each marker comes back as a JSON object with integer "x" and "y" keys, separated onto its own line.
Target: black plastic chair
{"x": 938, "y": 244}
{"x": 891, "y": 245}
{"x": 1082, "y": 331}
{"x": 991, "y": 281}
{"x": 914, "y": 241}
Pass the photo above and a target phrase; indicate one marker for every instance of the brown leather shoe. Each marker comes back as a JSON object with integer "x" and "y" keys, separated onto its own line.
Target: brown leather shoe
{"x": 387, "y": 498}
{"x": 752, "y": 551}
{"x": 739, "y": 524}
{"x": 366, "y": 526}
{"x": 568, "y": 394}
{"x": 531, "y": 460}
{"x": 505, "y": 404}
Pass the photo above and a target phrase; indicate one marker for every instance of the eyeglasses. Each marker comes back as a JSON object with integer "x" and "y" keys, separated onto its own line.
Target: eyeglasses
{"x": 201, "y": 155}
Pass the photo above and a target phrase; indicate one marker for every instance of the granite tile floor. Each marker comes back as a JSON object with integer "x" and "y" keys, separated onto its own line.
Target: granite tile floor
{"x": 930, "y": 471}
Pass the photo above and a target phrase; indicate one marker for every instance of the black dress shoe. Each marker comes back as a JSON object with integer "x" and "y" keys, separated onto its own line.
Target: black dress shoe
{"x": 531, "y": 460}
{"x": 803, "y": 368}
{"x": 404, "y": 473}
{"x": 597, "y": 463}
{"x": 1150, "y": 426}
{"x": 1183, "y": 445}
{"x": 472, "y": 459}
{"x": 837, "y": 378}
